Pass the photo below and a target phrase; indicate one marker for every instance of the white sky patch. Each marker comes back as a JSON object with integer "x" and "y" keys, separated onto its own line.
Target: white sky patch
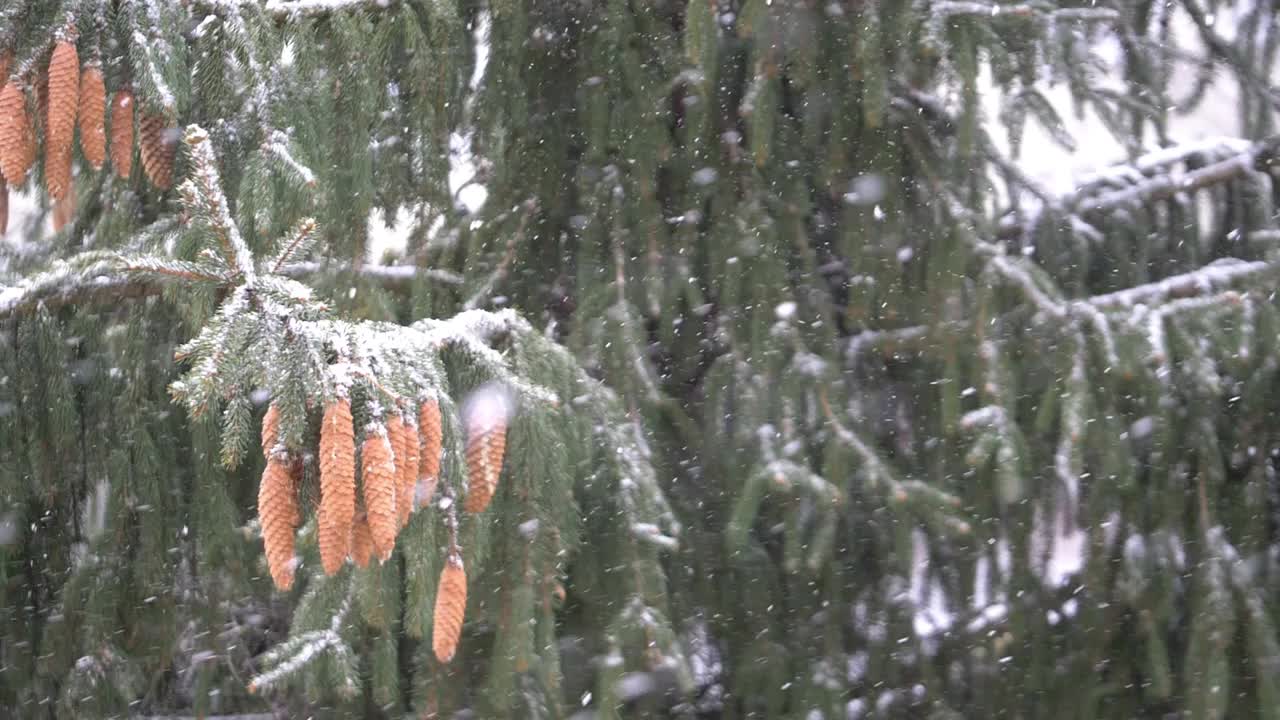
{"x": 393, "y": 237}
{"x": 462, "y": 164}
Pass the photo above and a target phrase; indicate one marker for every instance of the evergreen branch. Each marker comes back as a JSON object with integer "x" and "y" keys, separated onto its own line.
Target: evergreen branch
{"x": 298, "y": 240}
{"x": 877, "y": 470}
{"x": 62, "y": 286}
{"x": 1168, "y": 185}
{"x": 291, "y": 9}
{"x": 953, "y": 8}
{"x": 278, "y": 146}
{"x": 176, "y": 269}
{"x": 1217, "y": 276}
{"x": 305, "y": 649}
{"x": 503, "y": 268}
{"x": 146, "y": 47}
{"x": 1152, "y": 177}
{"x": 52, "y": 293}
{"x": 1245, "y": 71}
{"x": 203, "y": 194}
{"x": 392, "y": 277}
{"x": 1211, "y": 279}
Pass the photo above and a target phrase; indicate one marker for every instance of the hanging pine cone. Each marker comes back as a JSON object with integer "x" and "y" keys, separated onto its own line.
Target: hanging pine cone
{"x": 396, "y": 436}
{"x": 451, "y": 607}
{"x": 361, "y": 541}
{"x": 122, "y": 132}
{"x": 270, "y": 429}
{"x": 404, "y": 442}
{"x": 60, "y": 120}
{"x": 157, "y": 144}
{"x": 64, "y": 208}
{"x": 337, "y": 485}
{"x": 17, "y": 135}
{"x": 92, "y": 116}
{"x": 278, "y": 516}
{"x": 429, "y": 442}
{"x": 379, "y": 475}
{"x": 486, "y": 444}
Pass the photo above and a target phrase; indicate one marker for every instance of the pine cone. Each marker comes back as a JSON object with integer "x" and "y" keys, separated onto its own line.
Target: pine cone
{"x": 361, "y": 541}
{"x": 157, "y": 143}
{"x": 60, "y": 127}
{"x": 451, "y": 606}
{"x": 64, "y": 208}
{"x": 429, "y": 441}
{"x": 270, "y": 429}
{"x": 122, "y": 132}
{"x": 486, "y": 444}
{"x": 404, "y": 441}
{"x": 396, "y": 436}
{"x": 337, "y": 485}
{"x": 92, "y": 117}
{"x": 17, "y": 135}
{"x": 278, "y": 515}
{"x": 379, "y": 475}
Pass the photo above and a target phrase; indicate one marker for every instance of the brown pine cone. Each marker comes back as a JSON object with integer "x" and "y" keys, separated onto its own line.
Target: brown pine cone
{"x": 361, "y": 541}
{"x": 404, "y": 440}
{"x": 92, "y": 116}
{"x": 485, "y": 448}
{"x": 379, "y": 476}
{"x": 64, "y": 208}
{"x": 278, "y": 516}
{"x": 429, "y": 442}
{"x": 17, "y": 135}
{"x": 451, "y": 607}
{"x": 60, "y": 120}
{"x": 337, "y": 485}
{"x": 270, "y": 429}
{"x": 122, "y": 132}
{"x": 157, "y": 143}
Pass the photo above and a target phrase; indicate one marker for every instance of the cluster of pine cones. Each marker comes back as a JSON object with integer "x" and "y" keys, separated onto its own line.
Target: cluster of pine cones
{"x": 399, "y": 470}
{"x": 69, "y": 96}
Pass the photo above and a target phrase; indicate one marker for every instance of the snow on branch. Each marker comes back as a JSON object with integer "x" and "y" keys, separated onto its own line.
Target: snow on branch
{"x": 278, "y": 146}
{"x": 1173, "y": 181}
{"x": 300, "y": 8}
{"x": 392, "y": 277}
{"x": 1215, "y": 277}
{"x": 952, "y": 8}
{"x": 107, "y": 280}
{"x": 289, "y": 9}
{"x": 299, "y": 652}
{"x": 202, "y": 193}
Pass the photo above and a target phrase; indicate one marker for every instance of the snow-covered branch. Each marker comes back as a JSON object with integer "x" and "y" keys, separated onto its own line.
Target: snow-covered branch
{"x": 202, "y": 193}
{"x": 289, "y": 9}
{"x": 296, "y": 8}
{"x": 1172, "y": 182}
{"x": 392, "y": 277}
{"x": 953, "y": 8}
{"x": 107, "y": 284}
{"x": 1215, "y": 277}
{"x": 299, "y": 652}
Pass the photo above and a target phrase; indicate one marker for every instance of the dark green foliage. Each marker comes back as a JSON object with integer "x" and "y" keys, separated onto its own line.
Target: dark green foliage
{"x": 812, "y": 385}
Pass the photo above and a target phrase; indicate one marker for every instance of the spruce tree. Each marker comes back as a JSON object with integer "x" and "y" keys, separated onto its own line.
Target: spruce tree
{"x": 762, "y": 382}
